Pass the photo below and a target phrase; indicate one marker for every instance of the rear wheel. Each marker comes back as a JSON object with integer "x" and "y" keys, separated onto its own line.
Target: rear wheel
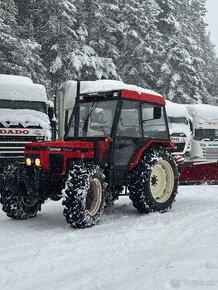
{"x": 14, "y": 197}
{"x": 154, "y": 182}
{"x": 84, "y": 195}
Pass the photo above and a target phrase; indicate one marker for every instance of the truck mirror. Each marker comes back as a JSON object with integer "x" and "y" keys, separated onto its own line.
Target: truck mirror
{"x": 50, "y": 113}
{"x": 157, "y": 113}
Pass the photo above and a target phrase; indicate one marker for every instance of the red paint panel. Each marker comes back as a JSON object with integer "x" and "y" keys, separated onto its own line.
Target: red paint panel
{"x": 149, "y": 98}
{"x": 152, "y": 143}
{"x": 197, "y": 172}
{"x": 62, "y": 144}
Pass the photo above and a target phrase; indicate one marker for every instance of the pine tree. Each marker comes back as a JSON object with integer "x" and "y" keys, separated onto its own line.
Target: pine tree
{"x": 9, "y": 45}
{"x": 135, "y": 39}
{"x": 18, "y": 55}
{"x": 91, "y": 61}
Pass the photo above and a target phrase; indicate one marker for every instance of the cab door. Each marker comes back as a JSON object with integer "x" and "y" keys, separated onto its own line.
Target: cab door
{"x": 128, "y": 138}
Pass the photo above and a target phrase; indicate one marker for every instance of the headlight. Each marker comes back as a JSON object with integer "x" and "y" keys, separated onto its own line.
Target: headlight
{"x": 28, "y": 162}
{"x": 37, "y": 162}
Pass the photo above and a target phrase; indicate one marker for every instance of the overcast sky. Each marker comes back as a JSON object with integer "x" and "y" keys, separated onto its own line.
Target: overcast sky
{"x": 212, "y": 20}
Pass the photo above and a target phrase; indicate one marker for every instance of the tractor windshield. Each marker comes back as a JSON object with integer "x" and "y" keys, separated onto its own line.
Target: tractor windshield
{"x": 96, "y": 119}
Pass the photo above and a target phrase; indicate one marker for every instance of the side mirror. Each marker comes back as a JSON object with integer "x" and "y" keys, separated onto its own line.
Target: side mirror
{"x": 50, "y": 113}
{"x": 157, "y": 113}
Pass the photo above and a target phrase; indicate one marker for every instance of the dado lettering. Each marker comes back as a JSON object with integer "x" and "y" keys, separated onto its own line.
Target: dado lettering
{"x": 14, "y": 132}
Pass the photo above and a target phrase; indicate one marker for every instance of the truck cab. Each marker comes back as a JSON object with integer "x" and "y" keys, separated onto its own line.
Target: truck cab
{"x": 23, "y": 116}
{"x": 180, "y": 127}
{"x": 204, "y": 144}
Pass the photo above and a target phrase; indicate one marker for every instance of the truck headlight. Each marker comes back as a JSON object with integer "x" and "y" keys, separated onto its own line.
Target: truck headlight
{"x": 37, "y": 162}
{"x": 28, "y": 162}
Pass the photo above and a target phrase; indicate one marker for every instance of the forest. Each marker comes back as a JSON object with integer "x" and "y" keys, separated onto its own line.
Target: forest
{"x": 161, "y": 45}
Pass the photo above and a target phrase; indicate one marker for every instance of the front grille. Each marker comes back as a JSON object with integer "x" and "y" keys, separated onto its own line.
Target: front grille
{"x": 13, "y": 146}
{"x": 179, "y": 147}
{"x": 56, "y": 163}
{"x": 210, "y": 153}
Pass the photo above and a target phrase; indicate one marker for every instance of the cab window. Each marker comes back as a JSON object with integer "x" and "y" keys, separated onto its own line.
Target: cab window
{"x": 129, "y": 125}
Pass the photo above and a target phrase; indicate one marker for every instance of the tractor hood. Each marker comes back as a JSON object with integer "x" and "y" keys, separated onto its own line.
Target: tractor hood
{"x": 54, "y": 156}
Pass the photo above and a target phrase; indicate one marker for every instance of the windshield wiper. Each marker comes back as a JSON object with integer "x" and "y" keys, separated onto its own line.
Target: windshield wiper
{"x": 86, "y": 122}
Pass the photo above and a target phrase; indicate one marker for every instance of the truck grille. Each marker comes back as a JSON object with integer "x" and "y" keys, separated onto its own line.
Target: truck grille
{"x": 13, "y": 147}
{"x": 210, "y": 153}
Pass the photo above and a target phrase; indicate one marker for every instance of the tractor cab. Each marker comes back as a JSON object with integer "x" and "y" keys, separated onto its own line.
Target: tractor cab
{"x": 119, "y": 122}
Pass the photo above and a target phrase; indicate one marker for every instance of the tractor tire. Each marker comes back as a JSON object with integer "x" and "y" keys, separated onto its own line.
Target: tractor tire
{"x": 153, "y": 183}
{"x": 84, "y": 195}
{"x": 14, "y": 199}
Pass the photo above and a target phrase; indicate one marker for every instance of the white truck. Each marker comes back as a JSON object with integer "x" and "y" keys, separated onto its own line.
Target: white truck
{"x": 202, "y": 166}
{"x": 180, "y": 127}
{"x": 25, "y": 116}
{"x": 204, "y": 143}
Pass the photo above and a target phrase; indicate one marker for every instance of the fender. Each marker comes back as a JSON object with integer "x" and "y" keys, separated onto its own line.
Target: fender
{"x": 151, "y": 143}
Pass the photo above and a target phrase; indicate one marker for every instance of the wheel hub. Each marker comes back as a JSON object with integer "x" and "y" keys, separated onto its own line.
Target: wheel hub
{"x": 94, "y": 197}
{"x": 161, "y": 181}
{"x": 29, "y": 202}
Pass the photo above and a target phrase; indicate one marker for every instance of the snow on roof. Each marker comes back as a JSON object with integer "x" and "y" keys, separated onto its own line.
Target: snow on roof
{"x": 176, "y": 110}
{"x": 23, "y": 91}
{"x": 24, "y": 117}
{"x": 99, "y": 86}
{"x": 14, "y": 79}
{"x": 203, "y": 111}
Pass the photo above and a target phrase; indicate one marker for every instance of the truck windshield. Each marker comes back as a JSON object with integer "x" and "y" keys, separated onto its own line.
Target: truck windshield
{"x": 210, "y": 134}
{"x": 9, "y": 104}
{"x": 178, "y": 120}
{"x": 96, "y": 119}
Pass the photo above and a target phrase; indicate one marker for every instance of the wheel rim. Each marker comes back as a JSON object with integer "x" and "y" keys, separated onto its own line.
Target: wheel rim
{"x": 29, "y": 202}
{"x": 94, "y": 197}
{"x": 161, "y": 181}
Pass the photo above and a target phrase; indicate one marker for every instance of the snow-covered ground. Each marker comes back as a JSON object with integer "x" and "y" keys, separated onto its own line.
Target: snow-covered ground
{"x": 178, "y": 249}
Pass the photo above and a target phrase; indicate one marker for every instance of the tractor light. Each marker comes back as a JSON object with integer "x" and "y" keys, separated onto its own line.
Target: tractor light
{"x": 28, "y": 162}
{"x": 37, "y": 162}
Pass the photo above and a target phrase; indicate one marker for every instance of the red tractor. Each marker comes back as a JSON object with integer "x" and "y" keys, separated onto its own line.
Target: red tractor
{"x": 116, "y": 137}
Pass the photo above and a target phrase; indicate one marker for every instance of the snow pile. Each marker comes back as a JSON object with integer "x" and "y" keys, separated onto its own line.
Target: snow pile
{"x": 177, "y": 110}
{"x": 24, "y": 117}
{"x": 21, "y": 88}
{"x": 99, "y": 86}
{"x": 203, "y": 112}
{"x": 13, "y": 79}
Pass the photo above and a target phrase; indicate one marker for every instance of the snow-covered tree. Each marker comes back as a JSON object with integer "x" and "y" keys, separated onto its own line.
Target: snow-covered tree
{"x": 17, "y": 55}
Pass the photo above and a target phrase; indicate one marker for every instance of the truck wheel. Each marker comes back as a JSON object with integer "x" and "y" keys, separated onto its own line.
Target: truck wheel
{"x": 84, "y": 195}
{"x": 14, "y": 198}
{"x": 153, "y": 183}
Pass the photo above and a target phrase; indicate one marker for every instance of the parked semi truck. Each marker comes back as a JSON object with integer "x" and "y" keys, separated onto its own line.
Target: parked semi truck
{"x": 25, "y": 116}
{"x": 102, "y": 151}
{"x": 202, "y": 166}
{"x": 180, "y": 127}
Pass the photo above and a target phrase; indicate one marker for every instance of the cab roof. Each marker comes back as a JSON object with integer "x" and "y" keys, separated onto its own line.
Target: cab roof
{"x": 127, "y": 91}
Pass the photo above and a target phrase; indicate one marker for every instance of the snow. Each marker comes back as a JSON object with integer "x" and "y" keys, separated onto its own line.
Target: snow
{"x": 180, "y": 128}
{"x": 24, "y": 117}
{"x": 99, "y": 86}
{"x": 177, "y": 110}
{"x": 125, "y": 251}
{"x": 14, "y": 79}
{"x": 203, "y": 112}
{"x": 21, "y": 88}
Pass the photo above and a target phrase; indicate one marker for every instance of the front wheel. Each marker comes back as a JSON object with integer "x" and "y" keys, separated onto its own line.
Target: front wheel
{"x": 153, "y": 183}
{"x": 84, "y": 195}
{"x": 15, "y": 201}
